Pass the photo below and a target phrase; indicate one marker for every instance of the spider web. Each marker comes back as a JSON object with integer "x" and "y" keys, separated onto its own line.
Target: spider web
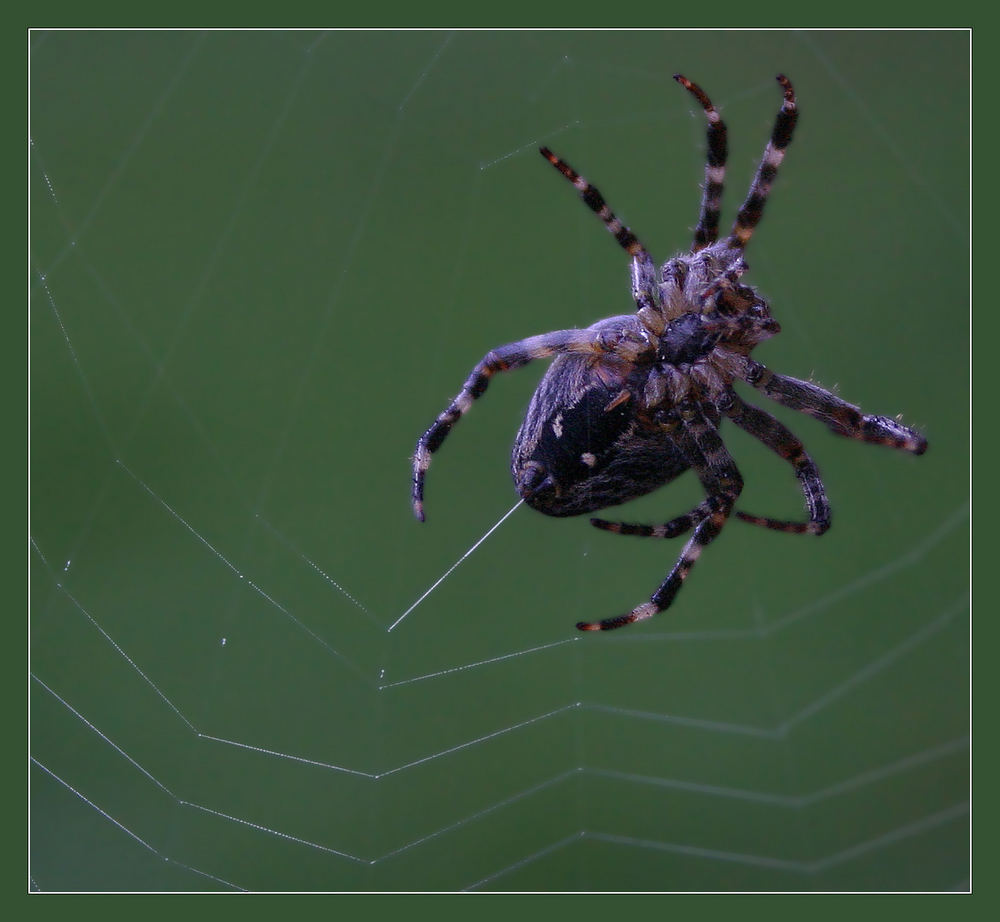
{"x": 263, "y": 261}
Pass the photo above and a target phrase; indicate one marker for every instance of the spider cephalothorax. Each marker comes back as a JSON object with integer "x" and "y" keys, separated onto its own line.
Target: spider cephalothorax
{"x": 633, "y": 401}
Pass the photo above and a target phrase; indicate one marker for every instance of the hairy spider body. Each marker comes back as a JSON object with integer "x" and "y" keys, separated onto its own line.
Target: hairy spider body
{"x": 633, "y": 401}
{"x": 592, "y": 436}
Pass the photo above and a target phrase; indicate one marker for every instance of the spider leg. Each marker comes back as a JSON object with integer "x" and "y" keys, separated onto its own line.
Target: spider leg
{"x": 841, "y": 417}
{"x": 672, "y": 529}
{"x": 644, "y": 288}
{"x": 783, "y": 442}
{"x": 701, "y": 444}
{"x": 707, "y": 230}
{"x": 513, "y": 355}
{"x": 753, "y": 208}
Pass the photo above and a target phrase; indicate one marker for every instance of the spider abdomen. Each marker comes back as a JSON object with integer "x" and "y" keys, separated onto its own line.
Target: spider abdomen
{"x": 581, "y": 446}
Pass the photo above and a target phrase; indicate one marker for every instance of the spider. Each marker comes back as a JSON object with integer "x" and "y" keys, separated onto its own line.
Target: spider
{"x": 633, "y": 401}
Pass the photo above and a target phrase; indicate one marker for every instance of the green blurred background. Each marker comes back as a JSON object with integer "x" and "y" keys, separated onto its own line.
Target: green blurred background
{"x": 264, "y": 261}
